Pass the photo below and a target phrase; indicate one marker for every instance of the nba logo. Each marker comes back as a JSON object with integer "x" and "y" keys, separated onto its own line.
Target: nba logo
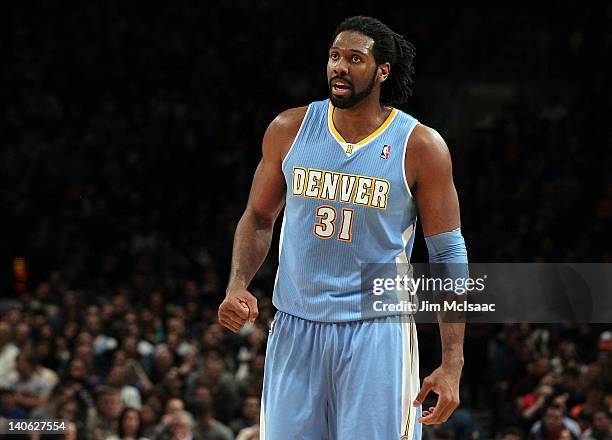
{"x": 384, "y": 154}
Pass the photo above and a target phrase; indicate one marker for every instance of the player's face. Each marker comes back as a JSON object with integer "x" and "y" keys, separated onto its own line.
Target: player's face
{"x": 351, "y": 69}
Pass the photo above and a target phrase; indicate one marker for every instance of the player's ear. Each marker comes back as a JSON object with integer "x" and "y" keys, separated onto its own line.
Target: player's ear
{"x": 383, "y": 71}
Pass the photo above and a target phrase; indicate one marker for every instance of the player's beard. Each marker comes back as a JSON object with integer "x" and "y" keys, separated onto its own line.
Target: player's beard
{"x": 355, "y": 97}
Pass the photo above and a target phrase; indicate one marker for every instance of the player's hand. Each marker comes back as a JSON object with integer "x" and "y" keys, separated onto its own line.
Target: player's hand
{"x": 238, "y": 307}
{"x": 444, "y": 381}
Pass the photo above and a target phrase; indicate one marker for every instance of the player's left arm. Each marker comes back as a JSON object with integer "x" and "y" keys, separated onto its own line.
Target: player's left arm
{"x": 429, "y": 175}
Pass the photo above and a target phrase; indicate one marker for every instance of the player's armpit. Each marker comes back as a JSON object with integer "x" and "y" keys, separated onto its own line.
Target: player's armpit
{"x": 429, "y": 175}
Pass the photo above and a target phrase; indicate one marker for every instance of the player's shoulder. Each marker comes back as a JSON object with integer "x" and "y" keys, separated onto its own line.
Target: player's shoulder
{"x": 426, "y": 139}
{"x": 426, "y": 143}
{"x": 426, "y": 154}
{"x": 288, "y": 121}
{"x": 282, "y": 132}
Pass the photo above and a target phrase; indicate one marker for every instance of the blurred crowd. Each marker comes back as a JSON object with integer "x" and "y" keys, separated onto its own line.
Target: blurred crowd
{"x": 159, "y": 366}
{"x": 128, "y": 367}
{"x": 552, "y": 381}
{"x": 538, "y": 382}
{"x": 129, "y": 140}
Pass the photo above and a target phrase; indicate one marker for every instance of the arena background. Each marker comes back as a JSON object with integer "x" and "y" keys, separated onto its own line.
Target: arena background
{"x": 130, "y": 133}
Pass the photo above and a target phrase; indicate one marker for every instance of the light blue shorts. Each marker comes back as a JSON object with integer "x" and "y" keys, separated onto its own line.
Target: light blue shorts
{"x": 340, "y": 381}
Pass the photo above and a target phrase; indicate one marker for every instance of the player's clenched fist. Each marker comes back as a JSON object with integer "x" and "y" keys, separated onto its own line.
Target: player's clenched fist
{"x": 238, "y": 307}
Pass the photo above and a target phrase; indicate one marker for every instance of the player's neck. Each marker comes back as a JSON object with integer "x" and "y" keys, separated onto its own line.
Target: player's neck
{"x": 358, "y": 122}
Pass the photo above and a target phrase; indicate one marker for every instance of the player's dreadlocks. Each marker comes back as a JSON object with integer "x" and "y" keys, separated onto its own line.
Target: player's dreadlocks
{"x": 388, "y": 47}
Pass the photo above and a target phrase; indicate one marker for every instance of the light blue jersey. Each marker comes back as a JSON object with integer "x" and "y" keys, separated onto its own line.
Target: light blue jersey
{"x": 346, "y": 205}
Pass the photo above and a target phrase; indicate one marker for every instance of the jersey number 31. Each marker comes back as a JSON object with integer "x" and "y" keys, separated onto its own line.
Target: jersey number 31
{"x": 328, "y": 218}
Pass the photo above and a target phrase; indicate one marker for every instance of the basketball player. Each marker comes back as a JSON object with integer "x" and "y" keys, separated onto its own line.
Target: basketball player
{"x": 352, "y": 172}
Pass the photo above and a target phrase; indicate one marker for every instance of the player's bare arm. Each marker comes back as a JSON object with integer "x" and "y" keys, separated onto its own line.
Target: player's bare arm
{"x": 254, "y": 231}
{"x": 429, "y": 175}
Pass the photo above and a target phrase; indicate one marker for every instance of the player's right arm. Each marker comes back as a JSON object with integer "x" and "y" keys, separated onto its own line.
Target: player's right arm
{"x": 254, "y": 231}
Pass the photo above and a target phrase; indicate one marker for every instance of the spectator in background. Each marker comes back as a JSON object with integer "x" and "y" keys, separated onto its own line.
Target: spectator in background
{"x": 8, "y": 407}
{"x": 60, "y": 393}
{"x": 207, "y": 426}
{"x": 463, "y": 424}
{"x": 140, "y": 353}
{"x": 585, "y": 421}
{"x": 535, "y": 370}
{"x": 570, "y": 385}
{"x": 130, "y": 426}
{"x": 189, "y": 364}
{"x": 212, "y": 337}
{"x": 73, "y": 411}
{"x": 251, "y": 433}
{"x": 22, "y": 334}
{"x": 602, "y": 427}
{"x": 221, "y": 384}
{"x": 604, "y": 359}
{"x": 554, "y": 425}
{"x": 44, "y": 351}
{"x": 172, "y": 384}
{"x": 118, "y": 378}
{"x": 78, "y": 374}
{"x": 199, "y": 392}
{"x": 72, "y": 405}
{"x": 249, "y": 417}
{"x": 8, "y": 353}
{"x": 173, "y": 406}
{"x": 594, "y": 398}
{"x": 512, "y": 433}
{"x": 148, "y": 419}
{"x": 182, "y": 427}
{"x": 533, "y": 404}
{"x": 93, "y": 325}
{"x": 85, "y": 351}
{"x": 247, "y": 355}
{"x": 71, "y": 308}
{"x": 31, "y": 382}
{"x": 252, "y": 384}
{"x": 163, "y": 361}
{"x": 109, "y": 407}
